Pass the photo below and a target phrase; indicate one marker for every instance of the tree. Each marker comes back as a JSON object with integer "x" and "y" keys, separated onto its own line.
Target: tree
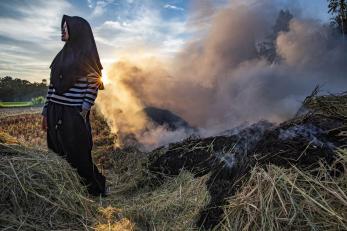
{"x": 20, "y": 90}
{"x": 338, "y": 8}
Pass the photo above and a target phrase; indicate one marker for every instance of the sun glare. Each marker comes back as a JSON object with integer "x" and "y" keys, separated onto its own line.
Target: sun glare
{"x": 104, "y": 77}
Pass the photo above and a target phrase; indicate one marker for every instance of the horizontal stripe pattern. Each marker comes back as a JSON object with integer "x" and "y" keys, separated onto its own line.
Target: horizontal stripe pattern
{"x": 82, "y": 93}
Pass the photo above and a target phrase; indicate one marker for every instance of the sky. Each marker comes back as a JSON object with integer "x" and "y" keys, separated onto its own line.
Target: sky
{"x": 30, "y": 29}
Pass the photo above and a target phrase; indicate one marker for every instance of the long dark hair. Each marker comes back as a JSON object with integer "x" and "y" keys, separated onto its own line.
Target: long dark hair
{"x": 78, "y": 58}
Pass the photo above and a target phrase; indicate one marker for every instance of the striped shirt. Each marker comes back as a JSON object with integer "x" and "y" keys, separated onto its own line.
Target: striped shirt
{"x": 82, "y": 94}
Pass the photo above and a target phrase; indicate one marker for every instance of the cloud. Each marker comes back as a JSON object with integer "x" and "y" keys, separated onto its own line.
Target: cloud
{"x": 173, "y": 7}
{"x": 144, "y": 31}
{"x": 30, "y": 35}
{"x": 101, "y": 7}
{"x": 90, "y": 3}
{"x": 30, "y": 30}
{"x": 38, "y": 22}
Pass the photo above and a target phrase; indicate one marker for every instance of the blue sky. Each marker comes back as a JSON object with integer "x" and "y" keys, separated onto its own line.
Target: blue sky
{"x": 30, "y": 33}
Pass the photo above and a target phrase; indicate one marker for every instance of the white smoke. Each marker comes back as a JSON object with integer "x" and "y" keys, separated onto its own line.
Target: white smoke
{"x": 220, "y": 80}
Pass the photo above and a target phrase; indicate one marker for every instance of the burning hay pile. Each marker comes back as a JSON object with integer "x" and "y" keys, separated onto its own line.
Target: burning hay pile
{"x": 292, "y": 157}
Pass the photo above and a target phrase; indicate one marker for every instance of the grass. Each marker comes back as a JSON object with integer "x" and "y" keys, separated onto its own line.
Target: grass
{"x": 16, "y": 104}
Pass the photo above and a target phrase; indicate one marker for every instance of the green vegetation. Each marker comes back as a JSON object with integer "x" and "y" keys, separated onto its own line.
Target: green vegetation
{"x": 20, "y": 90}
{"x": 38, "y": 101}
{"x": 16, "y": 104}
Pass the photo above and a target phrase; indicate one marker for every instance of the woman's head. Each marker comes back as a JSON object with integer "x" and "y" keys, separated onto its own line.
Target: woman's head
{"x": 79, "y": 55}
{"x": 77, "y": 29}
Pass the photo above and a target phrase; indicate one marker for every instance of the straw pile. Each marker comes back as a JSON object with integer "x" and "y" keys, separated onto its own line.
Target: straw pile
{"x": 174, "y": 205}
{"x": 8, "y": 139}
{"x": 40, "y": 191}
{"x": 289, "y": 199}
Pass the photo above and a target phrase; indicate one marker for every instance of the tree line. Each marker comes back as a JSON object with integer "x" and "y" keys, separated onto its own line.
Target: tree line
{"x": 14, "y": 89}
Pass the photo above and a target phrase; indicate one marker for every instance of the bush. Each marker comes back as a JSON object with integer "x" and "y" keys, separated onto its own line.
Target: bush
{"x": 38, "y": 101}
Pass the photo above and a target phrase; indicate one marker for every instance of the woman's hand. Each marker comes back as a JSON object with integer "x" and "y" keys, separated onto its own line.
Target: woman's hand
{"x": 84, "y": 114}
{"x": 44, "y": 123}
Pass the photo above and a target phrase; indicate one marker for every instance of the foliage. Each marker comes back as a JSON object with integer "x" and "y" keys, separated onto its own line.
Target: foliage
{"x": 16, "y": 104}
{"x": 338, "y": 8}
{"x": 20, "y": 90}
{"x": 38, "y": 101}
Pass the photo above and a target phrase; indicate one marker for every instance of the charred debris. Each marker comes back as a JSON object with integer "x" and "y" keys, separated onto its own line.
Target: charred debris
{"x": 308, "y": 140}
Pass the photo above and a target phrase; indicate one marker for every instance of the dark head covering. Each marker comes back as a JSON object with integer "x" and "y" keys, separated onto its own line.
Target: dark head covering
{"x": 78, "y": 57}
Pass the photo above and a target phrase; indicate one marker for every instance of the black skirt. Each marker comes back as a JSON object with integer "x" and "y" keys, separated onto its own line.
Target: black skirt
{"x": 69, "y": 135}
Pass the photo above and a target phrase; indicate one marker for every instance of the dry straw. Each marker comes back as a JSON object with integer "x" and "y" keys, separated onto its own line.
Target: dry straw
{"x": 289, "y": 199}
{"x": 40, "y": 191}
{"x": 173, "y": 205}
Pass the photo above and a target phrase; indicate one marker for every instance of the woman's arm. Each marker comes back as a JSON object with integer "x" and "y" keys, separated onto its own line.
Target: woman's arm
{"x": 48, "y": 96}
{"x": 92, "y": 91}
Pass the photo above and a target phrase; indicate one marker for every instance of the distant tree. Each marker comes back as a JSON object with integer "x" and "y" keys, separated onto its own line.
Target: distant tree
{"x": 20, "y": 90}
{"x": 338, "y": 8}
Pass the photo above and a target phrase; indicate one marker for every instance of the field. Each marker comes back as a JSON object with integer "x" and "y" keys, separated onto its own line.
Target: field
{"x": 5, "y": 112}
{"x": 182, "y": 186}
{"x": 25, "y": 125}
{"x": 15, "y": 104}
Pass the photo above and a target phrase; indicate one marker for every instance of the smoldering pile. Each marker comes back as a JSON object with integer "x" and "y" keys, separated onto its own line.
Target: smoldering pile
{"x": 306, "y": 142}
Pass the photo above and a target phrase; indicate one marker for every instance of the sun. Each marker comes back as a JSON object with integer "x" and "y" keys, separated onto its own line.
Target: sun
{"x": 104, "y": 77}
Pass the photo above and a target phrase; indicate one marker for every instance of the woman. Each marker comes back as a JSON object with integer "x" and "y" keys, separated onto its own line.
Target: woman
{"x": 74, "y": 82}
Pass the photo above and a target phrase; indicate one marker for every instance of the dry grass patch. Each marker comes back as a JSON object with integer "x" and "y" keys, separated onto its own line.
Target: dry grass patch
{"x": 289, "y": 199}
{"x": 40, "y": 191}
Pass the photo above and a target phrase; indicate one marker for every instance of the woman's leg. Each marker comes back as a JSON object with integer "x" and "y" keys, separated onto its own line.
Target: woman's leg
{"x": 73, "y": 138}
{"x": 77, "y": 141}
{"x": 54, "y": 113}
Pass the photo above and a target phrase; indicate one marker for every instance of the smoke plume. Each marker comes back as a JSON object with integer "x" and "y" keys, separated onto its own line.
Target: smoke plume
{"x": 223, "y": 78}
